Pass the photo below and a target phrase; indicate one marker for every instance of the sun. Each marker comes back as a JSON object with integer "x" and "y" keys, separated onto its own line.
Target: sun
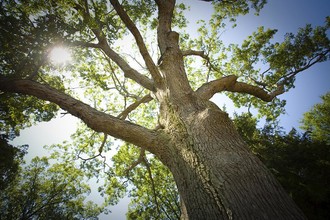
{"x": 60, "y": 55}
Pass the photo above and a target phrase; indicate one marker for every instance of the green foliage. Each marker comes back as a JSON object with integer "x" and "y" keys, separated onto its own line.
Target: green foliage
{"x": 147, "y": 177}
{"x": 44, "y": 25}
{"x": 229, "y": 9}
{"x": 317, "y": 120}
{"x": 44, "y": 191}
{"x": 19, "y": 111}
{"x": 24, "y": 49}
{"x": 281, "y": 61}
{"x": 10, "y": 159}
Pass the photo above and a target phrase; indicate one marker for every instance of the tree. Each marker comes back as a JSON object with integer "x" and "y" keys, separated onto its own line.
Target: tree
{"x": 161, "y": 107}
{"x": 317, "y": 120}
{"x": 10, "y": 159}
{"x": 44, "y": 192}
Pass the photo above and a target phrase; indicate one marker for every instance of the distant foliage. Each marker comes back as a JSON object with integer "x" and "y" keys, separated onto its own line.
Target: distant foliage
{"x": 317, "y": 120}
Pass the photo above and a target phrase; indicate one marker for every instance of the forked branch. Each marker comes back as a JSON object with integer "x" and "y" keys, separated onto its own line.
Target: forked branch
{"x": 139, "y": 41}
{"x": 165, "y": 15}
{"x": 137, "y": 162}
{"x": 110, "y": 53}
{"x": 129, "y": 72}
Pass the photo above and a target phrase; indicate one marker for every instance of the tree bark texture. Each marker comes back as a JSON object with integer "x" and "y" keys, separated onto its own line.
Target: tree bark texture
{"x": 217, "y": 176}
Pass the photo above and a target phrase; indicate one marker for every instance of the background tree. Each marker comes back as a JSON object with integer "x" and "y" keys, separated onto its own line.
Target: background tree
{"x": 41, "y": 191}
{"x": 154, "y": 194}
{"x": 161, "y": 106}
{"x": 10, "y": 159}
{"x": 317, "y": 121}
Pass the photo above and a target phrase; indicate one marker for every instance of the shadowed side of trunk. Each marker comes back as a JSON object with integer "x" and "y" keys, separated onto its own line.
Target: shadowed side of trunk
{"x": 217, "y": 176}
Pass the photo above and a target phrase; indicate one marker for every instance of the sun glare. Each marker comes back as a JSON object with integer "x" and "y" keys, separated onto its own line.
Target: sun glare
{"x": 60, "y": 55}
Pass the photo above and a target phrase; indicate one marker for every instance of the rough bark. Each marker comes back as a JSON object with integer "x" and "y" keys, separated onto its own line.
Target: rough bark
{"x": 217, "y": 176}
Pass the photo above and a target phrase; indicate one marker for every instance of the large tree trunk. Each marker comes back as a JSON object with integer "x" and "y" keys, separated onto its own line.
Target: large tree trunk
{"x": 216, "y": 174}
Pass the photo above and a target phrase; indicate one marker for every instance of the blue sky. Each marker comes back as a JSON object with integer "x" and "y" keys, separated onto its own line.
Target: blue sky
{"x": 284, "y": 15}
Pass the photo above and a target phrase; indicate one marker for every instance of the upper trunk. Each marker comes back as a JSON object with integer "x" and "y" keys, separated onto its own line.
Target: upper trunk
{"x": 217, "y": 176}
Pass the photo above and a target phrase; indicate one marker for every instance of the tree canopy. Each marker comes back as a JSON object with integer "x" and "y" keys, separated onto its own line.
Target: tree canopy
{"x": 317, "y": 120}
{"x": 41, "y": 191}
{"x": 139, "y": 76}
{"x": 10, "y": 159}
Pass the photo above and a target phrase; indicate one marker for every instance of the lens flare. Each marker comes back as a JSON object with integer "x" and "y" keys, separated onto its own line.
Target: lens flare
{"x": 60, "y": 55}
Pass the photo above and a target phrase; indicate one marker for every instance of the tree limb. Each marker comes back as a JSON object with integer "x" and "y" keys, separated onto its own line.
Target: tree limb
{"x": 202, "y": 55}
{"x": 316, "y": 59}
{"x": 256, "y": 91}
{"x": 139, "y": 40}
{"x": 207, "y": 90}
{"x": 195, "y": 53}
{"x": 154, "y": 192}
{"x": 165, "y": 14}
{"x": 230, "y": 84}
{"x": 137, "y": 162}
{"x": 129, "y": 72}
{"x": 133, "y": 106}
{"x": 96, "y": 120}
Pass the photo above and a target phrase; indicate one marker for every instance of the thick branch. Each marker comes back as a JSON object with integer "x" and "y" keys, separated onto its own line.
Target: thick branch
{"x": 129, "y": 72}
{"x": 96, "y": 120}
{"x": 256, "y": 91}
{"x": 230, "y": 84}
{"x": 165, "y": 14}
{"x": 207, "y": 90}
{"x": 195, "y": 53}
{"x": 139, "y": 40}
